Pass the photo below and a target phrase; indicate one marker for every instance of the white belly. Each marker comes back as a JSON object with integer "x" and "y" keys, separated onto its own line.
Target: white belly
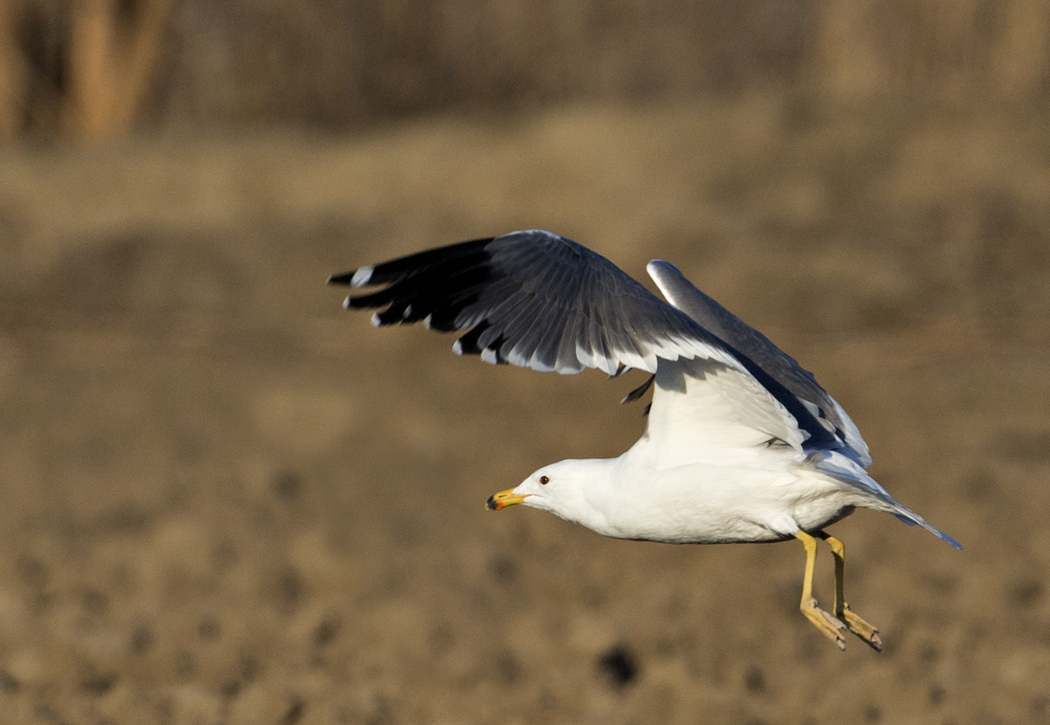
{"x": 708, "y": 504}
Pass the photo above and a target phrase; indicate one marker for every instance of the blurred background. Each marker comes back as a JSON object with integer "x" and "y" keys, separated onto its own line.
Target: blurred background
{"x": 223, "y": 499}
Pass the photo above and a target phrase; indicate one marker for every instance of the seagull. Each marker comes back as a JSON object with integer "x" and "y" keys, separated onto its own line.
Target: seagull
{"x": 741, "y": 443}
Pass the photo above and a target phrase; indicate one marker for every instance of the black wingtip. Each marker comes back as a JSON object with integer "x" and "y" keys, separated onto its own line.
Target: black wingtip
{"x": 341, "y": 278}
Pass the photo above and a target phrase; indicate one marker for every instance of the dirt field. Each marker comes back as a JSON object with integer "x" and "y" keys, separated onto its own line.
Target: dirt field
{"x": 223, "y": 499}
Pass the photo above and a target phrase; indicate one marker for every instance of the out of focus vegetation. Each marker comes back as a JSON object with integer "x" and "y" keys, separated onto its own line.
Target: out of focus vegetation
{"x": 92, "y": 67}
{"x": 222, "y": 499}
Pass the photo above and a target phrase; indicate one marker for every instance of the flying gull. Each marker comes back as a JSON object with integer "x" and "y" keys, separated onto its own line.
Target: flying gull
{"x": 742, "y": 444}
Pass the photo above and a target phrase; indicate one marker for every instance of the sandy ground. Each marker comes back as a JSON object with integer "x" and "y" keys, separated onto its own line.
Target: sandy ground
{"x": 223, "y": 499}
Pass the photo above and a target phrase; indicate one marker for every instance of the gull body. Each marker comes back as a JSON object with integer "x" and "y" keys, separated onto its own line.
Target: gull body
{"x": 741, "y": 444}
{"x": 698, "y": 503}
{"x": 743, "y": 486}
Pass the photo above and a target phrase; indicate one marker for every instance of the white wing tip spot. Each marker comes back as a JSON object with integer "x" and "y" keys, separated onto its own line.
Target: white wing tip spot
{"x": 346, "y": 304}
{"x": 362, "y": 276}
{"x": 457, "y": 347}
{"x": 376, "y": 322}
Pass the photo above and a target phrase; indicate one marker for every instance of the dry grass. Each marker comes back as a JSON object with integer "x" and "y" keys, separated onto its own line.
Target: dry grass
{"x": 224, "y": 499}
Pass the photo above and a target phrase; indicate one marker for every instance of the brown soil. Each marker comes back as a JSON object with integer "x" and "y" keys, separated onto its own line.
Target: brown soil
{"x": 223, "y": 499}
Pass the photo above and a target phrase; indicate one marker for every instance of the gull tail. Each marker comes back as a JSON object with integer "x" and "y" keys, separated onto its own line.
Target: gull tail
{"x": 913, "y": 519}
{"x": 849, "y": 471}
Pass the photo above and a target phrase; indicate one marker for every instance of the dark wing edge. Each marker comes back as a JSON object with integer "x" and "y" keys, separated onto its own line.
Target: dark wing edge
{"x": 533, "y": 299}
{"x": 817, "y": 413}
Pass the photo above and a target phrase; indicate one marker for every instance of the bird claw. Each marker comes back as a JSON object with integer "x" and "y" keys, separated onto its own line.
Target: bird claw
{"x": 826, "y": 622}
{"x": 867, "y": 632}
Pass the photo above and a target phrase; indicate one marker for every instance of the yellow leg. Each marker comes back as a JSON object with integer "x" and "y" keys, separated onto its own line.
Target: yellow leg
{"x": 867, "y": 632}
{"x": 830, "y": 625}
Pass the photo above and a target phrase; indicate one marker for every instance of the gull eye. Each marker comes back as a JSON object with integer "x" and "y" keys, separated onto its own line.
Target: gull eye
{"x": 545, "y": 480}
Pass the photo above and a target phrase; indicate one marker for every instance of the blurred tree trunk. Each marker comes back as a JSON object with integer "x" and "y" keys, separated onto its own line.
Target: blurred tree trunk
{"x": 111, "y": 57}
{"x": 932, "y": 51}
{"x": 12, "y": 71}
{"x": 1020, "y": 61}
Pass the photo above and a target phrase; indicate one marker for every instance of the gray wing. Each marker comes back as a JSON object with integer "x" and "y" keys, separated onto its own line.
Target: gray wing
{"x": 534, "y": 299}
{"x": 816, "y": 411}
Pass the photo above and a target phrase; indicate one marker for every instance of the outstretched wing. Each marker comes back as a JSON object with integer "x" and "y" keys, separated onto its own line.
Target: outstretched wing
{"x": 534, "y": 299}
{"x": 817, "y": 413}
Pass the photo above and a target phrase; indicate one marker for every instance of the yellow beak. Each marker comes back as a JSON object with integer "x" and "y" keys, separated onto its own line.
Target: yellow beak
{"x": 505, "y": 498}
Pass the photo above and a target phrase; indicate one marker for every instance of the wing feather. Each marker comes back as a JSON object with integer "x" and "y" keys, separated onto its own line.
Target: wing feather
{"x": 820, "y": 415}
{"x": 533, "y": 299}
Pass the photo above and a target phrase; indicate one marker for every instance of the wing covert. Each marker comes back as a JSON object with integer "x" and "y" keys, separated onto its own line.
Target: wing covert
{"x": 819, "y": 414}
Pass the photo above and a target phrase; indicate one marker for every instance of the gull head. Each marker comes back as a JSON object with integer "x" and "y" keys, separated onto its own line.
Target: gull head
{"x": 562, "y": 488}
